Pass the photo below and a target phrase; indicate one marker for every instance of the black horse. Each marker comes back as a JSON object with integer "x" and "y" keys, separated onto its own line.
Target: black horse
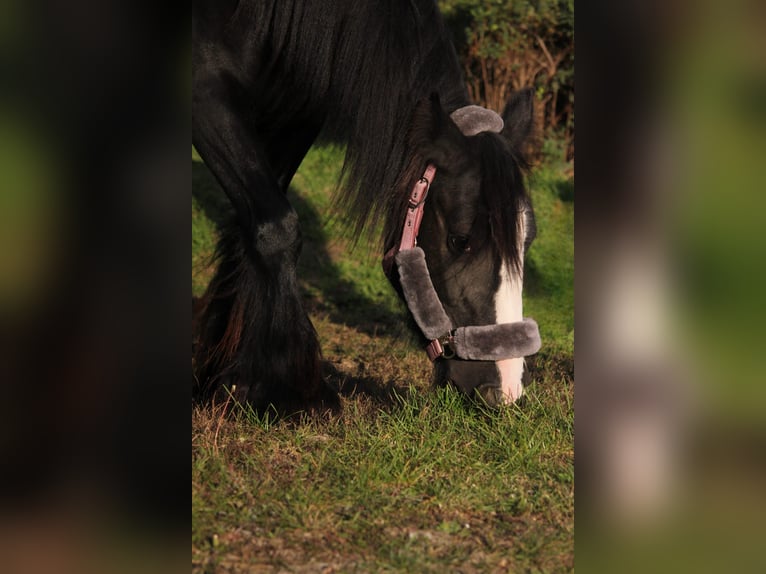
{"x": 381, "y": 76}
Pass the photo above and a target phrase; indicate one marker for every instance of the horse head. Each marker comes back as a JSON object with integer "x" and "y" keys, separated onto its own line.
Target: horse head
{"x": 477, "y": 223}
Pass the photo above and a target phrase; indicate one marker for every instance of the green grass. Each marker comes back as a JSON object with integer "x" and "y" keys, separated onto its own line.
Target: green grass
{"x": 406, "y": 478}
{"x": 549, "y": 265}
{"x": 428, "y": 483}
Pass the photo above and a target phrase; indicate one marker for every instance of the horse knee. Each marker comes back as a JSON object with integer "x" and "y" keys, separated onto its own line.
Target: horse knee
{"x": 279, "y": 240}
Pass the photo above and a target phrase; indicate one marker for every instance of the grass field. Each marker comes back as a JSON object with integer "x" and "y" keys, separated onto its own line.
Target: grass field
{"x": 407, "y": 478}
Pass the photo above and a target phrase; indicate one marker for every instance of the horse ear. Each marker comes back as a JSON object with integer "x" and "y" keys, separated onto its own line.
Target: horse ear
{"x": 434, "y": 134}
{"x": 518, "y": 117}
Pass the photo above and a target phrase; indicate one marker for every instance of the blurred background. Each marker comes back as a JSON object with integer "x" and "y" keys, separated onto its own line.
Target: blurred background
{"x": 670, "y": 428}
{"x": 508, "y": 45}
{"x": 94, "y": 326}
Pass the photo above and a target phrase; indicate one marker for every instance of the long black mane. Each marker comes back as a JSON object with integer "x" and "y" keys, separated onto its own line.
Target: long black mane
{"x": 360, "y": 69}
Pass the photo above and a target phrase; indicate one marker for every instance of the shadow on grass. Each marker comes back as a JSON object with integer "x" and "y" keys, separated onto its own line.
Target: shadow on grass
{"x": 551, "y": 366}
{"x": 382, "y": 393}
{"x": 565, "y": 190}
{"x": 533, "y": 282}
{"x": 325, "y": 290}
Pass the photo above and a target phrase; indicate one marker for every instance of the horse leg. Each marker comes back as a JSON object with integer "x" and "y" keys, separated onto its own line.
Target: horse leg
{"x": 255, "y": 337}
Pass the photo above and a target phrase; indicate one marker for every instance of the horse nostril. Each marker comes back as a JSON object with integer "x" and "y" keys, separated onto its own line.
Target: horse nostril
{"x": 491, "y": 395}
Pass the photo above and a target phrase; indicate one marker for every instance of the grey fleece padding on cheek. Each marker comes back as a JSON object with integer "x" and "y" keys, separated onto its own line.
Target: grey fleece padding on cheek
{"x": 498, "y": 342}
{"x": 419, "y": 292}
{"x": 481, "y": 343}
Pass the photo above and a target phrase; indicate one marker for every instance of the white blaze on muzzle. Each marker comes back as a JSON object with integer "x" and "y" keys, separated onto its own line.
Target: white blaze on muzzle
{"x": 508, "y": 308}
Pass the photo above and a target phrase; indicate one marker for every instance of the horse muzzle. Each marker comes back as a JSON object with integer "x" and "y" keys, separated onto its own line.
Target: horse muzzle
{"x": 483, "y": 380}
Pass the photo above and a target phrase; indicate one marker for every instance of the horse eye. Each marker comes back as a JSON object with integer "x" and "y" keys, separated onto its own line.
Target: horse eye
{"x": 459, "y": 243}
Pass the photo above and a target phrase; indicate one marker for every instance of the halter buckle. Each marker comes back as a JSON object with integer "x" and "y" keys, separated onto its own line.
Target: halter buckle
{"x": 419, "y": 193}
{"x": 443, "y": 347}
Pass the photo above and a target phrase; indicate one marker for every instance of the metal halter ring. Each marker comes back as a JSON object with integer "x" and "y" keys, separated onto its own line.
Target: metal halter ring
{"x": 447, "y": 342}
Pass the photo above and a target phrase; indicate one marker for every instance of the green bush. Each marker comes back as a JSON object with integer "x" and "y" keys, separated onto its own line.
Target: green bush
{"x": 506, "y": 45}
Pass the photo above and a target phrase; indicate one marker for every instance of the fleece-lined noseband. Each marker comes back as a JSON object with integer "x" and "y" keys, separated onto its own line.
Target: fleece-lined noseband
{"x": 478, "y": 343}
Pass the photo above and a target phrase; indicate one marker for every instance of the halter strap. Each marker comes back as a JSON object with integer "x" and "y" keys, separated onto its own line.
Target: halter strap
{"x": 415, "y": 208}
{"x": 412, "y": 219}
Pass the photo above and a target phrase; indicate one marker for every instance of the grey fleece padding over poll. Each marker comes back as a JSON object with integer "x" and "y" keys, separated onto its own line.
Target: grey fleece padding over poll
{"x": 479, "y": 343}
{"x": 473, "y": 120}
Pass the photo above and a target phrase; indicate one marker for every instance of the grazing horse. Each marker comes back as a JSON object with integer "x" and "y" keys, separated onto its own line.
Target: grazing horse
{"x": 382, "y": 77}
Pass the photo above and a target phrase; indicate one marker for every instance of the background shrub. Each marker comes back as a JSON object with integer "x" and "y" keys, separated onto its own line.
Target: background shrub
{"x": 506, "y": 45}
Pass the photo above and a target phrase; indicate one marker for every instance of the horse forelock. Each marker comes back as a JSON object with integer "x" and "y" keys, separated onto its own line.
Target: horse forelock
{"x": 503, "y": 191}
